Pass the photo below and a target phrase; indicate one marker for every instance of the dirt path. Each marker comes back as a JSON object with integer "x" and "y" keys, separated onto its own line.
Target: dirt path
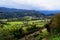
{"x": 30, "y": 36}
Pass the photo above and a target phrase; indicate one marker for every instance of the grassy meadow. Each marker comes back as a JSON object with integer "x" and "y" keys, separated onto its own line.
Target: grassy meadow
{"x": 18, "y": 24}
{"x": 17, "y": 28}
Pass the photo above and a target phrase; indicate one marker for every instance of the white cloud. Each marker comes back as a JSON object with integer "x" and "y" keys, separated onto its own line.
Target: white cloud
{"x": 32, "y": 4}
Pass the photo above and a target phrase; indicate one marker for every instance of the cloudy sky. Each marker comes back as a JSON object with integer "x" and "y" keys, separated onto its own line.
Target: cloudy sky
{"x": 31, "y": 4}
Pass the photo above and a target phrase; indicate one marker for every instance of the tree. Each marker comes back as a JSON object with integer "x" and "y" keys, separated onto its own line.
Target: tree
{"x": 54, "y": 24}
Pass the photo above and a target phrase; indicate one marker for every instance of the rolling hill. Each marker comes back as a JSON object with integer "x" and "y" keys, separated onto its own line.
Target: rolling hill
{"x": 6, "y": 13}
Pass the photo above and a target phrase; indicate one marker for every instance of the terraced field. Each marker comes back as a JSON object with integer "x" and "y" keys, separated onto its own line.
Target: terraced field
{"x": 22, "y": 28}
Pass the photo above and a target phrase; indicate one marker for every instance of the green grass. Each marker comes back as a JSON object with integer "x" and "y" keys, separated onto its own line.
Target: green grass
{"x": 17, "y": 24}
{"x": 55, "y": 37}
{"x": 42, "y": 35}
{"x": 12, "y": 26}
{"x": 29, "y": 22}
{"x": 12, "y": 23}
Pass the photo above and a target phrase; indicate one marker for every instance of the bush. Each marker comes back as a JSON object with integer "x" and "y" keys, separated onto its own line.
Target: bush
{"x": 5, "y": 35}
{"x": 42, "y": 35}
{"x": 54, "y": 25}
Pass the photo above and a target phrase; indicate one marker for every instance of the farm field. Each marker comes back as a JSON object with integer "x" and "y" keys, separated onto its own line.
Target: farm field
{"x": 39, "y": 23}
{"x": 25, "y": 30}
{"x": 18, "y": 28}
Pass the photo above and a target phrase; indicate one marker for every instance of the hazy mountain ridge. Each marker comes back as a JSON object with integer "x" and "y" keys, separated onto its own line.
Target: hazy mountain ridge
{"x": 49, "y": 11}
{"x": 4, "y": 9}
{"x": 17, "y": 13}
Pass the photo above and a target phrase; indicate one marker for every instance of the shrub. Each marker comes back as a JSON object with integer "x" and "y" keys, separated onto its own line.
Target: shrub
{"x": 54, "y": 24}
{"x": 5, "y": 35}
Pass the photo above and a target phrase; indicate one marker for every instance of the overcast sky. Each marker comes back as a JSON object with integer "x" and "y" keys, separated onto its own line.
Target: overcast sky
{"x": 31, "y": 4}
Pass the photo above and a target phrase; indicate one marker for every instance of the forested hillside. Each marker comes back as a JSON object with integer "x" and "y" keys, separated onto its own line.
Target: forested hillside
{"x": 6, "y": 13}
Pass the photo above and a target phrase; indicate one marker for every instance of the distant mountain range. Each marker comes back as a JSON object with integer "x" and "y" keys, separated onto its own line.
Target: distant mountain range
{"x": 4, "y": 9}
{"x": 17, "y": 13}
{"x": 49, "y": 11}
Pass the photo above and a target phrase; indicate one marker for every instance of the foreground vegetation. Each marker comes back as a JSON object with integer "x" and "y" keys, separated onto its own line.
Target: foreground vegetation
{"x": 15, "y": 30}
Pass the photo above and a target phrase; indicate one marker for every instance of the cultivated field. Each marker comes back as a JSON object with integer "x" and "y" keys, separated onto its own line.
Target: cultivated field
{"x": 17, "y": 29}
